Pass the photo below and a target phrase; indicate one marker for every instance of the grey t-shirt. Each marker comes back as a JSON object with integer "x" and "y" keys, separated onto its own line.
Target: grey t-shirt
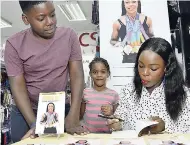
{"x": 44, "y": 63}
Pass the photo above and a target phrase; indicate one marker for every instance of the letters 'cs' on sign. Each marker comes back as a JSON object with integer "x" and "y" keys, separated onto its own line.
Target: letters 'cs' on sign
{"x": 92, "y": 36}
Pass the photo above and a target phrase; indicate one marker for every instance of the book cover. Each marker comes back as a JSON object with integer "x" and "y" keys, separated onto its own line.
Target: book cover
{"x": 51, "y": 113}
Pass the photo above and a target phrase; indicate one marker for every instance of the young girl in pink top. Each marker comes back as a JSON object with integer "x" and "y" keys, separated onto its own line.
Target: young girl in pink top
{"x": 99, "y": 99}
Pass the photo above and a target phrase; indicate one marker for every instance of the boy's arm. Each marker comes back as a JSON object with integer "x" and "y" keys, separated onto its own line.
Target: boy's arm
{"x": 15, "y": 71}
{"x": 82, "y": 109}
{"x": 21, "y": 98}
{"x": 77, "y": 86}
{"x": 72, "y": 121}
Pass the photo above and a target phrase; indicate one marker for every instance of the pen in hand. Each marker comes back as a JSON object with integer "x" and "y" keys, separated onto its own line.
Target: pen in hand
{"x": 110, "y": 117}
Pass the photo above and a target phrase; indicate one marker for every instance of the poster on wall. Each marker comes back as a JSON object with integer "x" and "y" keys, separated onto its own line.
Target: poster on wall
{"x": 126, "y": 24}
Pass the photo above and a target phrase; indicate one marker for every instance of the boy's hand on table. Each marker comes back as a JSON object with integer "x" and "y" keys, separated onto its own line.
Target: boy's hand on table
{"x": 30, "y": 133}
{"x": 72, "y": 127}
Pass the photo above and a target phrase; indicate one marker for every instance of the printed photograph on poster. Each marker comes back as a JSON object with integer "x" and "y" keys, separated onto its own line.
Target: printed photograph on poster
{"x": 129, "y": 24}
{"x": 131, "y": 29}
{"x": 51, "y": 113}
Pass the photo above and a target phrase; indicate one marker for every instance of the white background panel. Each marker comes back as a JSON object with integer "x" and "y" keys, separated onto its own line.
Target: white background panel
{"x": 121, "y": 80}
{"x": 117, "y": 71}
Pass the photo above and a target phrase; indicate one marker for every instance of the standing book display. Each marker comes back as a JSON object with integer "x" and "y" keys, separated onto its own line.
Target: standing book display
{"x": 51, "y": 113}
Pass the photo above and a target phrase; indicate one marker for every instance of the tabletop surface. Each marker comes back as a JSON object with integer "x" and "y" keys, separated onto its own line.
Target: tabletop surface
{"x": 63, "y": 139}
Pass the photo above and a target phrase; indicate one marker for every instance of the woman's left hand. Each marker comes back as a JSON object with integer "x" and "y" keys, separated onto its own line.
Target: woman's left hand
{"x": 158, "y": 127}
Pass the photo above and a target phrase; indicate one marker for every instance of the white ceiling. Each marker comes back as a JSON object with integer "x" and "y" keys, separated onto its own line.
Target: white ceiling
{"x": 11, "y": 11}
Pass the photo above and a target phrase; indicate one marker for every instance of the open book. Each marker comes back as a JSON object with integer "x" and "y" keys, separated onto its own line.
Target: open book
{"x": 51, "y": 113}
{"x": 140, "y": 126}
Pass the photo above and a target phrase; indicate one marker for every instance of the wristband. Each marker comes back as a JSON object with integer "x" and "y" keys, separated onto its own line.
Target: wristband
{"x": 33, "y": 125}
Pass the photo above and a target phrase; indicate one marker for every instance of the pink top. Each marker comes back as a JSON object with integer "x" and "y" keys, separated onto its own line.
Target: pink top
{"x": 94, "y": 100}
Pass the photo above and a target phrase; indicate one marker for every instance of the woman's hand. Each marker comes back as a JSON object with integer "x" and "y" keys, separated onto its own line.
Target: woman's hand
{"x": 154, "y": 129}
{"x": 157, "y": 128}
{"x": 107, "y": 110}
{"x": 114, "y": 124}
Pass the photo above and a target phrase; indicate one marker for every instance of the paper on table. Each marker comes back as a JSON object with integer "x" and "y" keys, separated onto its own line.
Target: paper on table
{"x": 140, "y": 125}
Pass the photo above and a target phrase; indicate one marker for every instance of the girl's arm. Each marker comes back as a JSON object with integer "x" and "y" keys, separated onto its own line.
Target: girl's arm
{"x": 82, "y": 109}
{"x": 115, "y": 107}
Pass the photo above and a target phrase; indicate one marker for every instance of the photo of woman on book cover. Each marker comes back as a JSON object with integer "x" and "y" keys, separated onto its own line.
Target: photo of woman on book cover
{"x": 51, "y": 113}
{"x": 50, "y": 119}
{"x": 131, "y": 30}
